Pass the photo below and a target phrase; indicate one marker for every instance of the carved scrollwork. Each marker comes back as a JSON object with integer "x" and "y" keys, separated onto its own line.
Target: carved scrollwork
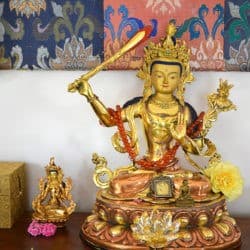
{"x": 103, "y": 174}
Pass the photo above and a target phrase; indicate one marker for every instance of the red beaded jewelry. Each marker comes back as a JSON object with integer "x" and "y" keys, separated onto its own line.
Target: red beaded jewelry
{"x": 169, "y": 156}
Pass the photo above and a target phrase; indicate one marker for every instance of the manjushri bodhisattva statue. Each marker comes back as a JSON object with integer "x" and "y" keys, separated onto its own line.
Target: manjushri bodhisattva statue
{"x": 143, "y": 205}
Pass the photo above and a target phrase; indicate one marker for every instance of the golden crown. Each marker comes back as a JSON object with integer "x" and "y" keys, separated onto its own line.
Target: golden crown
{"x": 169, "y": 49}
{"x": 52, "y": 167}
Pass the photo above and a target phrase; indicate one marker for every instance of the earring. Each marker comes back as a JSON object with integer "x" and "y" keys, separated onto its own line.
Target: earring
{"x": 147, "y": 92}
{"x": 180, "y": 92}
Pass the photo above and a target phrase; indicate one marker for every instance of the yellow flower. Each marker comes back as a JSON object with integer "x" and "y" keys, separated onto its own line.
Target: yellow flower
{"x": 225, "y": 178}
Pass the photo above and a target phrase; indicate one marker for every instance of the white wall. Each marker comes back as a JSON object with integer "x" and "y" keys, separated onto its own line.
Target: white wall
{"x": 40, "y": 119}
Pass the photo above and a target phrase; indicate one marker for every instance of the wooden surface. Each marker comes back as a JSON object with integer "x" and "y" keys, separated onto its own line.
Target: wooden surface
{"x": 67, "y": 238}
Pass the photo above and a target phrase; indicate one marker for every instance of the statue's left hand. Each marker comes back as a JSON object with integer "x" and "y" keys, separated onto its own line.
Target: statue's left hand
{"x": 179, "y": 130}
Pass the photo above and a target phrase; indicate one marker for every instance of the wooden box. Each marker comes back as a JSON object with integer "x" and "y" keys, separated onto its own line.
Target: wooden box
{"x": 11, "y": 192}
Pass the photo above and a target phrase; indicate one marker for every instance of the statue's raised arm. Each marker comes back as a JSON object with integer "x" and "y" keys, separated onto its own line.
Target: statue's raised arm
{"x": 99, "y": 108}
{"x": 83, "y": 87}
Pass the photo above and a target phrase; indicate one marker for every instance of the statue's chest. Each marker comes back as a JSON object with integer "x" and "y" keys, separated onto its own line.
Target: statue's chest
{"x": 158, "y": 125}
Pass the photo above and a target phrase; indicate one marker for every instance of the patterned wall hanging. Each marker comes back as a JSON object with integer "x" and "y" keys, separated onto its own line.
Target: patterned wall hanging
{"x": 80, "y": 34}
{"x": 57, "y": 34}
{"x": 237, "y": 35}
{"x": 200, "y": 25}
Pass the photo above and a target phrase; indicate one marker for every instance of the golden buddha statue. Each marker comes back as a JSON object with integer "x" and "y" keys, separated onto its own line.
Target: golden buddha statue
{"x": 157, "y": 181}
{"x": 54, "y": 203}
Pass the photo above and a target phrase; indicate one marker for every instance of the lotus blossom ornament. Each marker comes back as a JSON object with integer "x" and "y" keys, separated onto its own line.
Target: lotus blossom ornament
{"x": 220, "y": 99}
{"x": 157, "y": 230}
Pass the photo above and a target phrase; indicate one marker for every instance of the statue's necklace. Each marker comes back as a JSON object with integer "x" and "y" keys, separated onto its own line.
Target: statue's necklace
{"x": 163, "y": 105}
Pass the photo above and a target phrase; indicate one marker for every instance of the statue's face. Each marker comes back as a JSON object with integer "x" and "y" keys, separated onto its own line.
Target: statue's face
{"x": 53, "y": 175}
{"x": 165, "y": 78}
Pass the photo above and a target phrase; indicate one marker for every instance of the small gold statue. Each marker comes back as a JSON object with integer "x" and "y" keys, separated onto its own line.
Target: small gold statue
{"x": 156, "y": 181}
{"x": 184, "y": 199}
{"x": 54, "y": 203}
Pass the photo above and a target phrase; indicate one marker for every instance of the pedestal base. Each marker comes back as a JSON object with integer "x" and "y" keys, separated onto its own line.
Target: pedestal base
{"x": 234, "y": 246}
{"x": 59, "y": 222}
{"x": 205, "y": 225}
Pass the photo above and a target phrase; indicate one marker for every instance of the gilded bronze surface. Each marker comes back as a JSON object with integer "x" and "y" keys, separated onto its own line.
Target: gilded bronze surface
{"x": 102, "y": 173}
{"x": 155, "y": 195}
{"x": 54, "y": 202}
{"x": 202, "y": 226}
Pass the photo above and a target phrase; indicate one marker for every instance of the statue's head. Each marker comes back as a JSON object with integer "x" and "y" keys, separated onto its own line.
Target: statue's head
{"x": 168, "y": 55}
{"x": 165, "y": 76}
{"x": 53, "y": 171}
{"x": 53, "y": 174}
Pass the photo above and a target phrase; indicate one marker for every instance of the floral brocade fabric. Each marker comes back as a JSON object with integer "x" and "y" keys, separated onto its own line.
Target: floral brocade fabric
{"x": 37, "y": 34}
{"x": 80, "y": 34}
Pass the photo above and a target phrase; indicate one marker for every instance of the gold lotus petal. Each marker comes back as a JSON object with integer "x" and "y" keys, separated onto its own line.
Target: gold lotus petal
{"x": 120, "y": 219}
{"x": 99, "y": 225}
{"x": 229, "y": 219}
{"x": 202, "y": 220}
{"x": 185, "y": 235}
{"x": 218, "y": 215}
{"x": 116, "y": 231}
{"x": 224, "y": 228}
{"x": 183, "y": 221}
{"x": 91, "y": 217}
{"x": 207, "y": 233}
{"x": 102, "y": 214}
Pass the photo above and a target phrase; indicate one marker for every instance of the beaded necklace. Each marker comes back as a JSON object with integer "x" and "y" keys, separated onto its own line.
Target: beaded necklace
{"x": 163, "y": 105}
{"x": 168, "y": 156}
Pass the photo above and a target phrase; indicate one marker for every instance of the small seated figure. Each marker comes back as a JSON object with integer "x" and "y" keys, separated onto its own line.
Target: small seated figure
{"x": 169, "y": 123}
{"x": 54, "y": 203}
{"x": 184, "y": 199}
